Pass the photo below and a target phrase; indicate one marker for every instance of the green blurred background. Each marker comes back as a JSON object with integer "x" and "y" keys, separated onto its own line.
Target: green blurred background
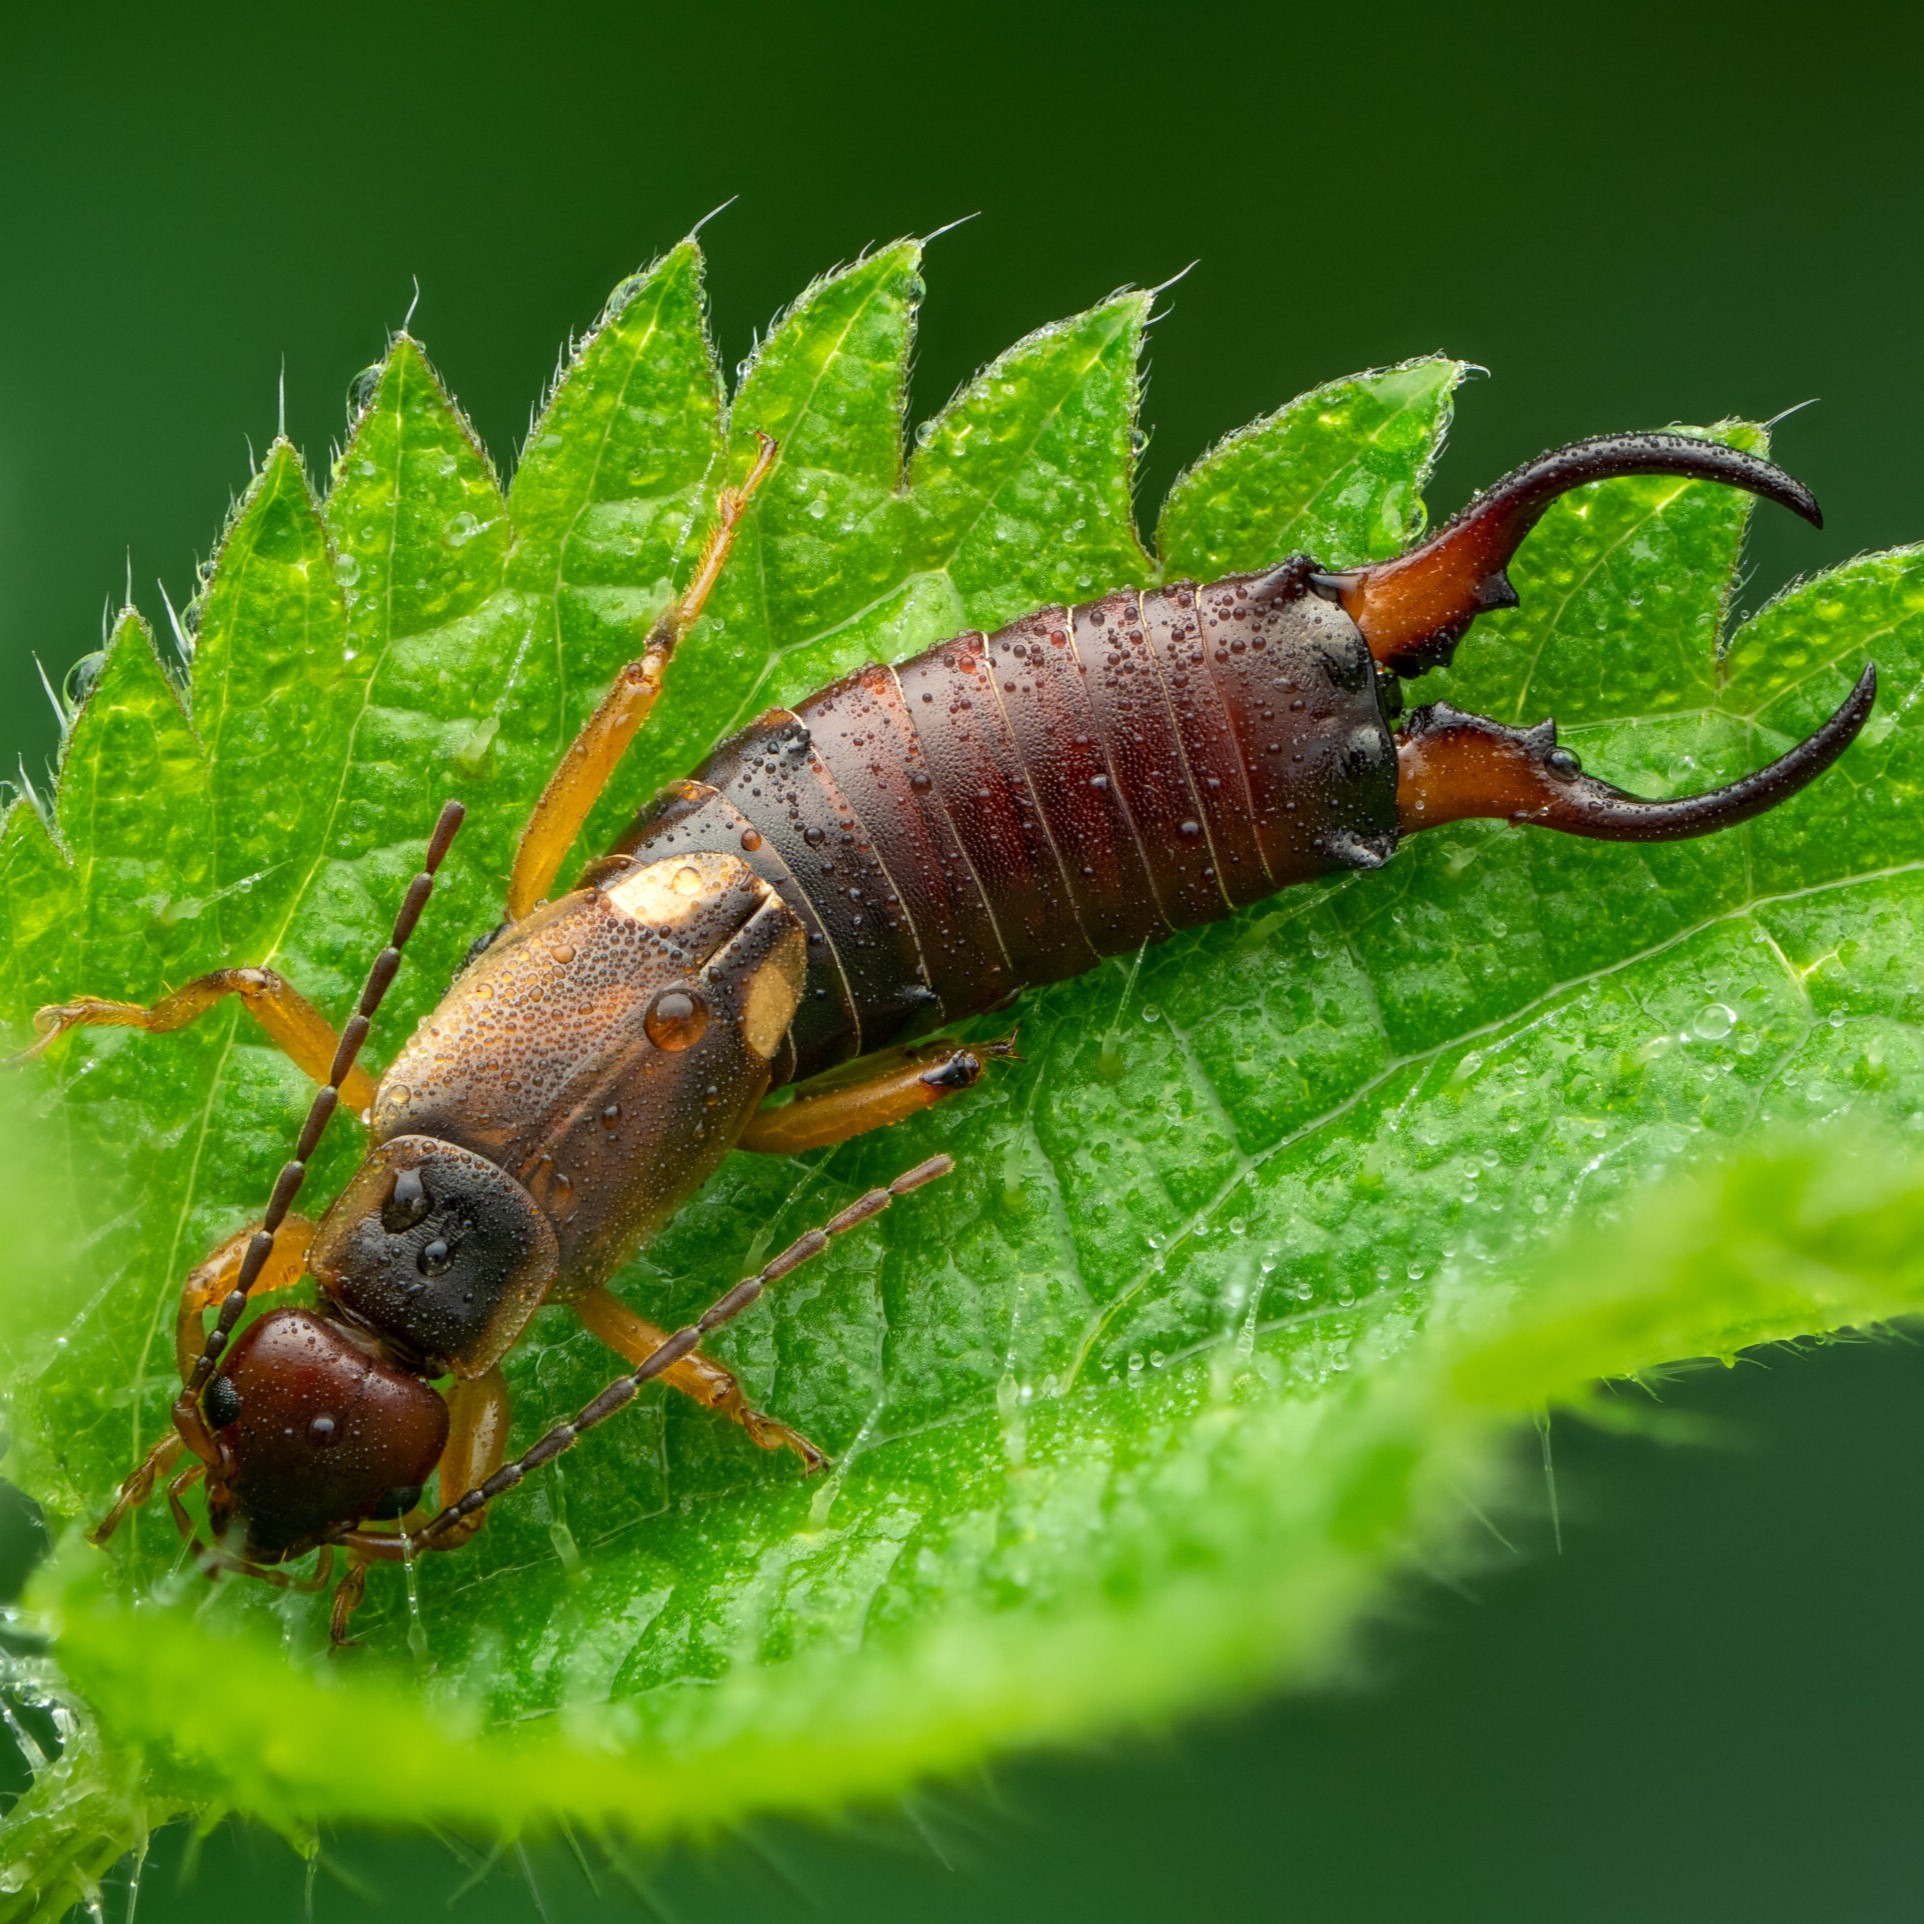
{"x": 1710, "y": 1702}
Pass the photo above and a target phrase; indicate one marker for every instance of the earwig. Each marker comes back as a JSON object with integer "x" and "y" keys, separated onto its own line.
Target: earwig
{"x": 911, "y": 846}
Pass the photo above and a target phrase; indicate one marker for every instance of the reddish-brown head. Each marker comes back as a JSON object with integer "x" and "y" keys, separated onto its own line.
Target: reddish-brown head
{"x": 315, "y": 1434}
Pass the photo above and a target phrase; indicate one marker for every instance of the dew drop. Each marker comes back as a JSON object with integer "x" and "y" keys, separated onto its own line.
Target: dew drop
{"x": 1715, "y": 1020}
{"x": 461, "y": 528}
{"x": 82, "y": 676}
{"x": 676, "y": 1020}
{"x": 347, "y": 569}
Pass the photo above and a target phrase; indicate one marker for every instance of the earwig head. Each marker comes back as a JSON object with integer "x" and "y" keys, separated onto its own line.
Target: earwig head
{"x": 443, "y": 1253}
{"x": 314, "y": 1433}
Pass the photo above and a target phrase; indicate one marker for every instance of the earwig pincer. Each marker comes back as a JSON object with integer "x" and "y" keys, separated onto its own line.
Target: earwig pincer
{"x": 911, "y": 846}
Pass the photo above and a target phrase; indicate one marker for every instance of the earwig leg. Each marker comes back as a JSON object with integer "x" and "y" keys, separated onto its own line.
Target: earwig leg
{"x": 138, "y": 1486}
{"x": 479, "y": 1414}
{"x": 207, "y": 1286}
{"x": 323, "y": 1573}
{"x": 347, "y": 1599}
{"x": 624, "y": 1389}
{"x": 696, "y": 1375}
{"x": 591, "y": 758}
{"x": 478, "y": 1419}
{"x": 290, "y": 1020}
{"x": 896, "y": 1086}
{"x": 177, "y": 1489}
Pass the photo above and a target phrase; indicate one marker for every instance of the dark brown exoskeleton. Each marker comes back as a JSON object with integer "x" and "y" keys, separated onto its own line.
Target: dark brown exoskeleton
{"x": 910, "y": 846}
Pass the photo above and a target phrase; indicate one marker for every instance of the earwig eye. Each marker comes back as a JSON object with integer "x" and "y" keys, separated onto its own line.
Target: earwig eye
{"x": 222, "y": 1404}
{"x": 435, "y": 1258}
{"x": 408, "y": 1203}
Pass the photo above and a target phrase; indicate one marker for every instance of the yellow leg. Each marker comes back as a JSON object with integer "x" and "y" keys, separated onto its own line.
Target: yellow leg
{"x": 206, "y": 1287}
{"x": 708, "y": 1382}
{"x": 898, "y": 1085}
{"x": 576, "y": 785}
{"x": 291, "y": 1021}
{"x": 479, "y": 1415}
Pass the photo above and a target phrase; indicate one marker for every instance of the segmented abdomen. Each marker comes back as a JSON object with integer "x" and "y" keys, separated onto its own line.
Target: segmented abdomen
{"x": 1004, "y": 811}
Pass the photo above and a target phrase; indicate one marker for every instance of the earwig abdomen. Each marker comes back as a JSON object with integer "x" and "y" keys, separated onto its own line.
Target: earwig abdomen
{"x": 1005, "y": 810}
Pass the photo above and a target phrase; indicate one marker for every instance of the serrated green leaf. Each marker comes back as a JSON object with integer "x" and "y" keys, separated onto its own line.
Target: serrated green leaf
{"x": 1139, "y": 1407}
{"x": 1355, "y": 454}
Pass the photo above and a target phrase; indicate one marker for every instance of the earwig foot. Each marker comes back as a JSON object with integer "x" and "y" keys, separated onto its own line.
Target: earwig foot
{"x": 347, "y": 1599}
{"x": 773, "y": 1435}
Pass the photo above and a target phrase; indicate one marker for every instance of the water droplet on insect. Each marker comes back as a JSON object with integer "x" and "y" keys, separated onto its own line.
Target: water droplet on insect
{"x": 676, "y": 1019}
{"x": 323, "y": 1432}
{"x": 813, "y": 837}
{"x": 919, "y": 781}
{"x": 1715, "y": 1020}
{"x": 751, "y": 839}
{"x": 563, "y": 952}
{"x": 1190, "y": 830}
{"x": 611, "y": 1116}
{"x": 687, "y": 881}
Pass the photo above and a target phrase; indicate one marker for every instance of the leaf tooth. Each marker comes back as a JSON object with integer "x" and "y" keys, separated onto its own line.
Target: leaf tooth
{"x": 829, "y": 379}
{"x": 1023, "y": 482}
{"x": 656, "y": 320}
{"x": 1337, "y": 473}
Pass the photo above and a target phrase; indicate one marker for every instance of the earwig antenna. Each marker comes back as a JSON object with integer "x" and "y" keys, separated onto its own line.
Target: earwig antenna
{"x": 288, "y": 1184}
{"x": 624, "y": 1389}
